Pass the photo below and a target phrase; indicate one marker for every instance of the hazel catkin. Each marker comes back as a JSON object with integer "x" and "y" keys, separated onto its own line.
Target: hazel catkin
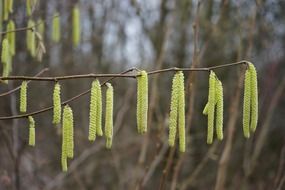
{"x": 181, "y": 112}
{"x": 247, "y": 103}
{"x": 219, "y": 109}
{"x": 32, "y": 135}
{"x": 211, "y": 107}
{"x": 56, "y": 28}
{"x": 75, "y": 26}
{"x": 254, "y": 97}
{"x": 56, "y": 104}
{"x": 109, "y": 116}
{"x": 23, "y": 97}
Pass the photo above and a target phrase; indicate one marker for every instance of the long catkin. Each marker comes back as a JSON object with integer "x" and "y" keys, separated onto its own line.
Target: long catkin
{"x": 254, "y": 97}
{"x": 181, "y": 112}
{"x": 142, "y": 101}
{"x": 173, "y": 110}
{"x": 32, "y": 135}
{"x": 31, "y": 38}
{"x": 29, "y": 7}
{"x": 10, "y": 5}
{"x": 219, "y": 110}
{"x": 76, "y": 26}
{"x": 23, "y": 97}
{"x": 56, "y": 28}
{"x": 5, "y": 58}
{"x": 211, "y": 107}
{"x": 109, "y": 116}
{"x": 247, "y": 103}
{"x": 5, "y": 10}
{"x": 56, "y": 104}
{"x": 11, "y": 37}
{"x": 99, "y": 130}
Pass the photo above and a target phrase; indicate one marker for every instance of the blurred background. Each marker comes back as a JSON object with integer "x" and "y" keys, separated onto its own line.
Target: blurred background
{"x": 150, "y": 34}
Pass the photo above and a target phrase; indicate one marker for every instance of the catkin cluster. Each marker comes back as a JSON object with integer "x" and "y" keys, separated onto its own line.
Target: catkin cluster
{"x": 75, "y": 26}
{"x": 250, "y": 104}
{"x": 95, "y": 114}
{"x": 56, "y": 28}
{"x": 142, "y": 102}
{"x": 109, "y": 116}
{"x": 31, "y": 38}
{"x": 23, "y": 97}
{"x": 177, "y": 111}
{"x": 56, "y": 104}
{"x": 32, "y": 134}
{"x": 6, "y": 58}
{"x": 214, "y": 106}
{"x": 67, "y": 136}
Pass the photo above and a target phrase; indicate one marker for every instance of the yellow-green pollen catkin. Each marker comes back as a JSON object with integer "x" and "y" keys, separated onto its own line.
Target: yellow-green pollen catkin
{"x": 32, "y": 135}
{"x": 41, "y": 28}
{"x": 10, "y": 5}
{"x": 29, "y": 7}
{"x": 23, "y": 97}
{"x": 5, "y": 10}
{"x": 181, "y": 112}
{"x": 173, "y": 110}
{"x": 56, "y": 104}
{"x": 219, "y": 109}
{"x": 95, "y": 114}
{"x": 142, "y": 101}
{"x": 6, "y": 59}
{"x": 254, "y": 98}
{"x": 31, "y": 38}
{"x": 76, "y": 25}
{"x": 11, "y": 37}
{"x": 67, "y": 137}
{"x": 56, "y": 27}
{"x": 247, "y": 103}
{"x": 109, "y": 116}
{"x": 211, "y": 107}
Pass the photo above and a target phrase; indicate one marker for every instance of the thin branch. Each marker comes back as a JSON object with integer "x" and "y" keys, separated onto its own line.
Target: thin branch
{"x": 123, "y": 74}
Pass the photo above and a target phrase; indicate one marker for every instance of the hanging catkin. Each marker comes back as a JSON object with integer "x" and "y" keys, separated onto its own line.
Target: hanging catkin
{"x": 181, "y": 112}
{"x": 10, "y": 5}
{"x": 56, "y": 104}
{"x": 23, "y": 97}
{"x": 95, "y": 114}
{"x": 219, "y": 109}
{"x": 211, "y": 107}
{"x": 29, "y": 7}
{"x": 11, "y": 36}
{"x": 75, "y": 25}
{"x": 56, "y": 27}
{"x": 173, "y": 110}
{"x": 254, "y": 98}
{"x": 32, "y": 135}
{"x": 5, "y": 58}
{"x": 247, "y": 103}
{"x": 31, "y": 38}
{"x": 41, "y": 28}
{"x": 109, "y": 116}
{"x": 5, "y": 10}
{"x": 142, "y": 101}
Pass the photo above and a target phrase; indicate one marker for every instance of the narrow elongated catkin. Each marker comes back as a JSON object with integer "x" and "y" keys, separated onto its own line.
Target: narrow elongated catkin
{"x": 173, "y": 110}
{"x": 109, "y": 116}
{"x": 32, "y": 135}
{"x": 31, "y": 38}
{"x": 56, "y": 28}
{"x": 10, "y": 5}
{"x": 219, "y": 109}
{"x": 95, "y": 114}
{"x": 181, "y": 112}
{"x": 75, "y": 26}
{"x": 6, "y": 59}
{"x": 211, "y": 107}
{"x": 254, "y": 97}
{"x": 11, "y": 37}
{"x": 56, "y": 104}
{"x": 29, "y": 7}
{"x": 247, "y": 103}
{"x": 23, "y": 97}
{"x": 5, "y": 10}
{"x": 142, "y": 101}
{"x": 41, "y": 28}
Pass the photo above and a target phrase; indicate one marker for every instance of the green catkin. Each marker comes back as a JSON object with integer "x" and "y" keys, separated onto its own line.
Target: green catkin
{"x": 56, "y": 28}
{"x": 109, "y": 116}
{"x": 56, "y": 104}
{"x": 5, "y": 58}
{"x": 142, "y": 102}
{"x": 181, "y": 112}
{"x": 11, "y": 36}
{"x": 31, "y": 38}
{"x": 41, "y": 28}
{"x": 32, "y": 135}
{"x": 95, "y": 114}
{"x": 211, "y": 107}
{"x": 219, "y": 109}
{"x": 28, "y": 7}
{"x": 247, "y": 103}
{"x": 10, "y": 5}
{"x": 173, "y": 110}
{"x": 6, "y": 10}
{"x": 23, "y": 97}
{"x": 205, "y": 110}
{"x": 254, "y": 98}
{"x": 75, "y": 26}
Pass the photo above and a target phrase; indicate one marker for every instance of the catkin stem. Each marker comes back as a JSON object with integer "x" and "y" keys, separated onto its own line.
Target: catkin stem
{"x": 109, "y": 116}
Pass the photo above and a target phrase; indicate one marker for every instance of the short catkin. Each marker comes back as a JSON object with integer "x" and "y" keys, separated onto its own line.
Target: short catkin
{"x": 142, "y": 101}
{"x": 56, "y": 104}
{"x": 181, "y": 112}
{"x": 109, "y": 116}
{"x": 11, "y": 37}
{"x": 23, "y": 97}
{"x": 211, "y": 107}
{"x": 32, "y": 135}
{"x": 75, "y": 26}
{"x": 173, "y": 110}
{"x": 56, "y": 28}
{"x": 254, "y": 98}
{"x": 247, "y": 103}
{"x": 219, "y": 109}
